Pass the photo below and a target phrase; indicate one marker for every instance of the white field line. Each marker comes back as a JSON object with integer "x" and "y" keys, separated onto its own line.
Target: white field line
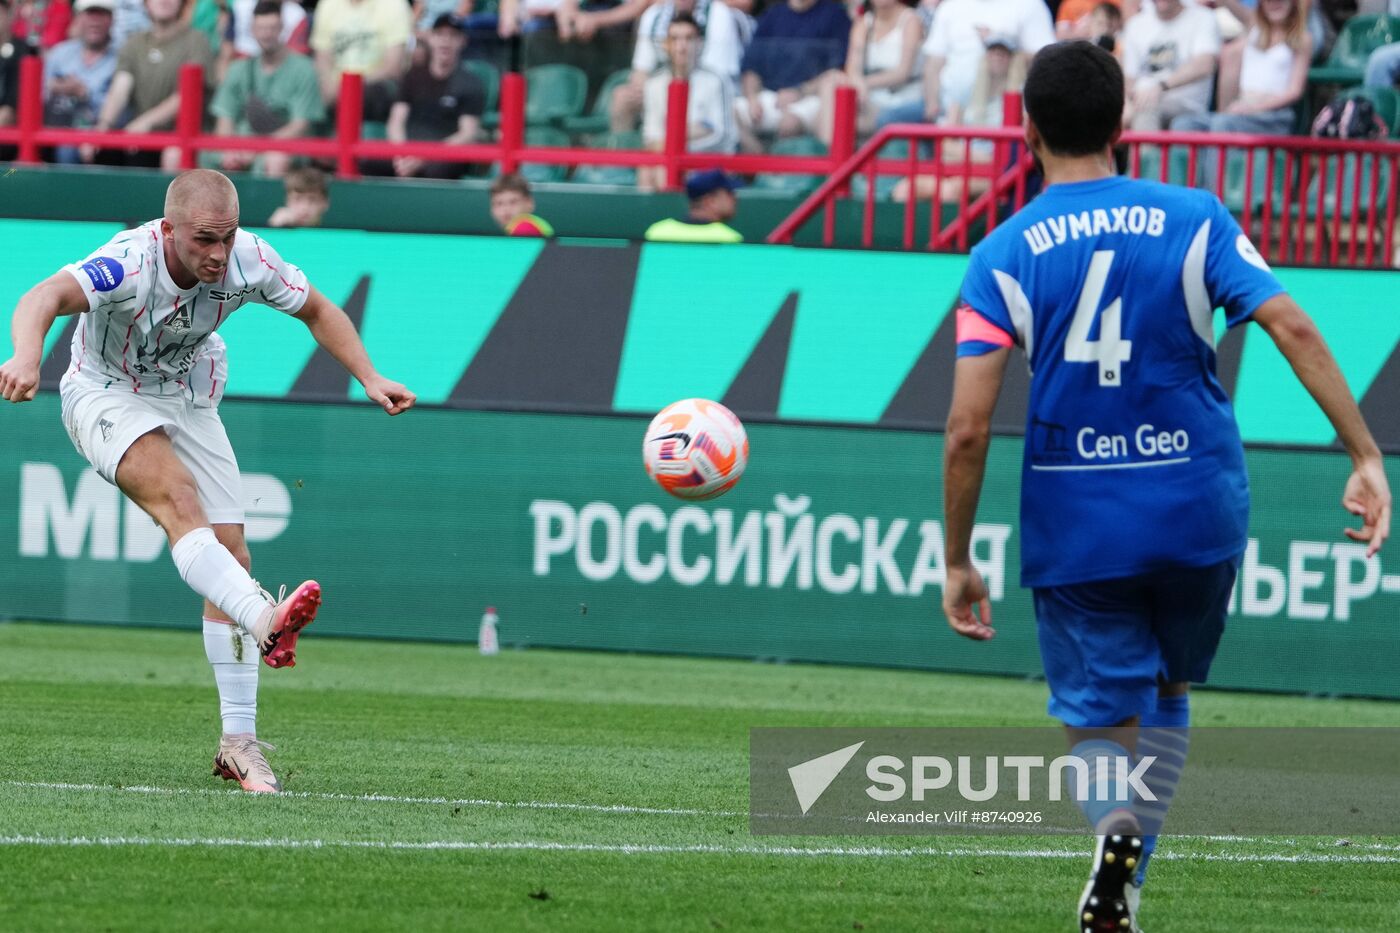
{"x": 386, "y": 798}
{"x": 453, "y": 845}
{"x": 556, "y": 805}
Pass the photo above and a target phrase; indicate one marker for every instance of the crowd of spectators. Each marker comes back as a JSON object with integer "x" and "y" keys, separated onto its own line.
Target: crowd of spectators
{"x": 759, "y": 71}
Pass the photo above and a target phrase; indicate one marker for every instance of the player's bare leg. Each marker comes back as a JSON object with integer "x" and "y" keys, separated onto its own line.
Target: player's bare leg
{"x": 153, "y": 476}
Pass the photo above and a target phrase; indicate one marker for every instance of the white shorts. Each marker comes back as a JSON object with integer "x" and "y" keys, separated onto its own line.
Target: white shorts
{"x": 806, "y": 110}
{"x": 103, "y": 423}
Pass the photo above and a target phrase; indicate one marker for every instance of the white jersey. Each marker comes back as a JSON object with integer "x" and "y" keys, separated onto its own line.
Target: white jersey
{"x": 144, "y": 333}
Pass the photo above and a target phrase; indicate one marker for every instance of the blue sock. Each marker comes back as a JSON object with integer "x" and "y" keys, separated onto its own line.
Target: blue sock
{"x": 1108, "y": 795}
{"x": 1166, "y": 735}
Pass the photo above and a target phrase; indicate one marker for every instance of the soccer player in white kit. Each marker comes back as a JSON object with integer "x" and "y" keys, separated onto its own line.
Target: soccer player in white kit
{"x": 140, "y": 402}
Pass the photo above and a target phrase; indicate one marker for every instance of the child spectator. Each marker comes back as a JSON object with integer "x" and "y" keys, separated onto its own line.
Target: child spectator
{"x": 308, "y": 199}
{"x": 513, "y": 207}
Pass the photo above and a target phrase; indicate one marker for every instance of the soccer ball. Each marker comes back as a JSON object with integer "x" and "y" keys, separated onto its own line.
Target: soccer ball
{"x": 695, "y": 449}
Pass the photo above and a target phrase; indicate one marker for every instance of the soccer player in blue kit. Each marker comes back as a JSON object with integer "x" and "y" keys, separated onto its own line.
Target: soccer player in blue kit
{"x": 1134, "y": 495}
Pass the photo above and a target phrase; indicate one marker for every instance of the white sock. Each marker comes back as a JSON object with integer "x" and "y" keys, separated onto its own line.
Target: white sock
{"x": 214, "y": 573}
{"x": 234, "y": 657}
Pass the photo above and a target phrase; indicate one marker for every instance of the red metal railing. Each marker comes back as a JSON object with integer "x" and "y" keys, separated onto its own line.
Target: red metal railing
{"x": 348, "y": 147}
{"x": 1303, "y": 201}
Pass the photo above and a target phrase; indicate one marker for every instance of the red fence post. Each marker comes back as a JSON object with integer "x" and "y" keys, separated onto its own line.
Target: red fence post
{"x": 512, "y": 120}
{"x": 349, "y": 124}
{"x": 189, "y": 121}
{"x": 677, "y": 131}
{"x": 843, "y": 130}
{"x": 31, "y": 107}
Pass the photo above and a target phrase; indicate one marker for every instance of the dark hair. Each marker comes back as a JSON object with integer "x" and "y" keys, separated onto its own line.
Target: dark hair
{"x": 513, "y": 183}
{"x": 1111, "y": 10}
{"x": 268, "y": 8}
{"x": 1074, "y": 96}
{"x": 685, "y": 19}
{"x": 306, "y": 180}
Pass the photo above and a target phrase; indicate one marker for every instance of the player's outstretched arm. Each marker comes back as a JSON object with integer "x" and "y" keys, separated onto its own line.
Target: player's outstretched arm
{"x": 334, "y": 331}
{"x": 976, "y": 385}
{"x": 1298, "y": 339}
{"x": 57, "y": 295}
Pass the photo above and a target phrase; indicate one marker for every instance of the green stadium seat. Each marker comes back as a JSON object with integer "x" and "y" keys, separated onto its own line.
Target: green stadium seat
{"x": 1236, "y": 164}
{"x": 596, "y": 120}
{"x": 1360, "y": 36}
{"x": 884, "y": 184}
{"x": 554, "y": 92}
{"x": 490, "y": 78}
{"x": 1150, "y": 164}
{"x": 795, "y": 185}
{"x": 544, "y": 136}
{"x": 1386, "y": 100}
{"x": 610, "y": 174}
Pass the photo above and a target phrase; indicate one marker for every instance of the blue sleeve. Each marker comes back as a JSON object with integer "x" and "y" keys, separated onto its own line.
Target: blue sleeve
{"x": 1236, "y": 277}
{"x": 983, "y": 304}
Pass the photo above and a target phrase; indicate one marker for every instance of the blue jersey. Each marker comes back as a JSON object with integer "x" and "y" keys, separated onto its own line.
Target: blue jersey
{"x": 1133, "y": 461}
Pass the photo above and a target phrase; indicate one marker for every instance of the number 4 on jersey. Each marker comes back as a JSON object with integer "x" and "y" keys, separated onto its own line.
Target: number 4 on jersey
{"x": 1110, "y": 351}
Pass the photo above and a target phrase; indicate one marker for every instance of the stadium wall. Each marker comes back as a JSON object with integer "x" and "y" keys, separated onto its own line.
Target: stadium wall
{"x": 133, "y": 196}
{"x": 829, "y": 550}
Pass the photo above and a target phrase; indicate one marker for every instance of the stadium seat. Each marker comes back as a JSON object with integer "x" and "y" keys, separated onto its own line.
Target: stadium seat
{"x": 554, "y": 92}
{"x": 596, "y": 120}
{"x": 1360, "y": 36}
{"x": 1236, "y": 163}
{"x": 490, "y": 79}
{"x": 544, "y": 136}
{"x": 795, "y": 185}
{"x": 1386, "y": 100}
{"x": 884, "y": 184}
{"x": 1150, "y": 164}
{"x": 610, "y": 174}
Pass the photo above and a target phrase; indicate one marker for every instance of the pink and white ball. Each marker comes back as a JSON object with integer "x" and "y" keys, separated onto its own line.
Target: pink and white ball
{"x": 695, "y": 449}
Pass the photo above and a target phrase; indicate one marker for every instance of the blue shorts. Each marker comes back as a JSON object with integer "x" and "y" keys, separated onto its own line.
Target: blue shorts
{"x": 1105, "y": 644}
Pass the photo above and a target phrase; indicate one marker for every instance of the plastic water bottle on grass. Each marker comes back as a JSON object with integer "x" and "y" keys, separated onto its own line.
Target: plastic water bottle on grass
{"x": 486, "y": 640}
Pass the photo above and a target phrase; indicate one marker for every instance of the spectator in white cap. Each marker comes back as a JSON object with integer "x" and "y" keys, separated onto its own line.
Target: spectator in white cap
{"x": 957, "y": 41}
{"x": 78, "y": 72}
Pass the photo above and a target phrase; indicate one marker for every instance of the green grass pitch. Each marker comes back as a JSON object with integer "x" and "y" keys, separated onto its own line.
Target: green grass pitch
{"x": 433, "y": 789}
